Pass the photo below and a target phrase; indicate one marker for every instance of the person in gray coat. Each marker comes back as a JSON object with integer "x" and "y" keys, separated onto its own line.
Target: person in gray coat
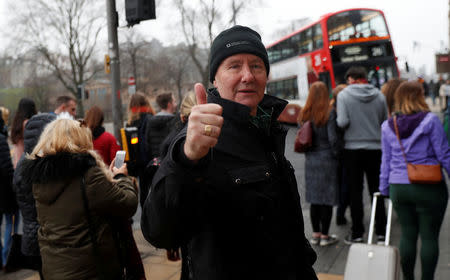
{"x": 361, "y": 109}
{"x": 24, "y": 194}
{"x": 321, "y": 164}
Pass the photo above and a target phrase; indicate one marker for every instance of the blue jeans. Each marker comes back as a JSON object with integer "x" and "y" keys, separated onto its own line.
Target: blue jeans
{"x": 8, "y": 233}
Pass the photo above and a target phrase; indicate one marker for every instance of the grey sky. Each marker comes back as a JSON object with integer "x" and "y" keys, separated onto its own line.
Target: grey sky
{"x": 409, "y": 21}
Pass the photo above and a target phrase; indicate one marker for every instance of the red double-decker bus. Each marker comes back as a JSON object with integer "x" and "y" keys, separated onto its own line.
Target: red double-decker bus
{"x": 324, "y": 50}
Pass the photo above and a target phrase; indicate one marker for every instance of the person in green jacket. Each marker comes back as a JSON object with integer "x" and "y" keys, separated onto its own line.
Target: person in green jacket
{"x": 62, "y": 164}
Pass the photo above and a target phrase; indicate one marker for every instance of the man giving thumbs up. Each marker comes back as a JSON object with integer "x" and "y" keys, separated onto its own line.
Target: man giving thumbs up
{"x": 225, "y": 193}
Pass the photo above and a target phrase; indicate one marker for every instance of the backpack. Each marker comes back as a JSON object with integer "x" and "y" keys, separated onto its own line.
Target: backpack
{"x": 144, "y": 149}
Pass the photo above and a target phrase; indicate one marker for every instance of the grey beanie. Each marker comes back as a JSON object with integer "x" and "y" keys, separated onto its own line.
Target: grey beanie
{"x": 237, "y": 39}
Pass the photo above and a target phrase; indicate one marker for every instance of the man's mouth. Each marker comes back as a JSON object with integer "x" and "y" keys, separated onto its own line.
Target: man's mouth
{"x": 247, "y": 91}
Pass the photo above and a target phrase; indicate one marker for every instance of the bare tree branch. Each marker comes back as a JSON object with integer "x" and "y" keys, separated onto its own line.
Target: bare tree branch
{"x": 199, "y": 23}
{"x": 65, "y": 33}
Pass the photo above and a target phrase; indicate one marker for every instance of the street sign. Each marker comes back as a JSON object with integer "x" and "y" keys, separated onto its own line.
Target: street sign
{"x": 131, "y": 85}
{"x": 442, "y": 63}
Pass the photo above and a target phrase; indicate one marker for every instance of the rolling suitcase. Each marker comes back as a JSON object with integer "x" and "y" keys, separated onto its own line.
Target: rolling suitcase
{"x": 370, "y": 261}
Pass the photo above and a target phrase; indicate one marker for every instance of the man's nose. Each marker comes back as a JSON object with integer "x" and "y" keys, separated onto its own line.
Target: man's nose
{"x": 247, "y": 74}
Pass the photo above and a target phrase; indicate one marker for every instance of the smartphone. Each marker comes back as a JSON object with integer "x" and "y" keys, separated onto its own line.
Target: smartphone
{"x": 120, "y": 159}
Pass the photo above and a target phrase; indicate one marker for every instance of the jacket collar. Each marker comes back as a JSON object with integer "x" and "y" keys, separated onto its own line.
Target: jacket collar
{"x": 56, "y": 167}
{"x": 96, "y": 132}
{"x": 406, "y": 123}
{"x": 238, "y": 136}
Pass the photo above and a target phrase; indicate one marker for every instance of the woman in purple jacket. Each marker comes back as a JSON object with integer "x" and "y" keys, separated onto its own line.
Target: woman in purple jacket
{"x": 420, "y": 207}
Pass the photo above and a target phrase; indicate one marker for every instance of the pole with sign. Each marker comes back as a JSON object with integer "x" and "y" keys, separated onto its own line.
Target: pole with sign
{"x": 131, "y": 85}
{"x": 114, "y": 65}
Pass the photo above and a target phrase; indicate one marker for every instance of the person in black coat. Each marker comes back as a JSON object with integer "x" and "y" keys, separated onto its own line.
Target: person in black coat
{"x": 7, "y": 200}
{"x": 161, "y": 124}
{"x": 24, "y": 194}
{"x": 139, "y": 113}
{"x": 225, "y": 193}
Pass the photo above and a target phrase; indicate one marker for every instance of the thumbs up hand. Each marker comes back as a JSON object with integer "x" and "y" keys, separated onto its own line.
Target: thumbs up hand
{"x": 204, "y": 126}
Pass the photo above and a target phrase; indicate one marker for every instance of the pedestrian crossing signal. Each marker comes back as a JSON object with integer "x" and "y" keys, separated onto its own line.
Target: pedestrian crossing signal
{"x": 130, "y": 140}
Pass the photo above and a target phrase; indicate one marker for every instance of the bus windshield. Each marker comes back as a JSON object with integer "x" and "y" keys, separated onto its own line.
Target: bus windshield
{"x": 356, "y": 24}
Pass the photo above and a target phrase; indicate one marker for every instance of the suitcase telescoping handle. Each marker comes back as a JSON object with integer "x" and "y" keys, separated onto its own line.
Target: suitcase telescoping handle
{"x": 372, "y": 219}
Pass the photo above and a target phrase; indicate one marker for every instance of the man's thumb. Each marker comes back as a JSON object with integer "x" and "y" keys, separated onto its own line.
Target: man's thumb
{"x": 200, "y": 93}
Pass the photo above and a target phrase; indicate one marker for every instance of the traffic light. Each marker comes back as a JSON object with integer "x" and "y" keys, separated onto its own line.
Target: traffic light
{"x": 138, "y": 10}
{"x": 107, "y": 64}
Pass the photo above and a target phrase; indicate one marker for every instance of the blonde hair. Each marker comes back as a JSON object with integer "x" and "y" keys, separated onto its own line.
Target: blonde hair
{"x": 409, "y": 98}
{"x": 67, "y": 136}
{"x": 5, "y": 114}
{"x": 188, "y": 102}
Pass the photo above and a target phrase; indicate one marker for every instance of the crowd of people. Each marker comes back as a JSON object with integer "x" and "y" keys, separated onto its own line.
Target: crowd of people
{"x": 55, "y": 161}
{"x": 354, "y": 135}
{"x": 214, "y": 178}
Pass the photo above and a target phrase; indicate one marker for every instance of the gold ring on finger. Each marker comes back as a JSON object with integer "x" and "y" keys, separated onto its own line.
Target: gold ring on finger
{"x": 208, "y": 130}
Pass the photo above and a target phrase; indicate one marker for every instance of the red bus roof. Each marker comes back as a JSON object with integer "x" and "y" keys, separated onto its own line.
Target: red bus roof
{"x": 322, "y": 18}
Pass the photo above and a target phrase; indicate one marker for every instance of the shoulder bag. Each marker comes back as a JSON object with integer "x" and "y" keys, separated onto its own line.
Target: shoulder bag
{"x": 303, "y": 140}
{"x": 129, "y": 257}
{"x": 420, "y": 173}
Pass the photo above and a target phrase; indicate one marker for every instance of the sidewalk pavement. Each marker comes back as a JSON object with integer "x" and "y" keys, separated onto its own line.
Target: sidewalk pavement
{"x": 156, "y": 265}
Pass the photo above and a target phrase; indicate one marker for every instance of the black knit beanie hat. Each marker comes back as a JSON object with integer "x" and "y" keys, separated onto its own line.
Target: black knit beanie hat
{"x": 237, "y": 39}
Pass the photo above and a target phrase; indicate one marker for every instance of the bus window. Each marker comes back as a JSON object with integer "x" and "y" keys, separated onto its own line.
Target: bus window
{"x": 356, "y": 24}
{"x": 285, "y": 89}
{"x": 287, "y": 49}
{"x": 318, "y": 36}
{"x": 306, "y": 43}
{"x": 274, "y": 53}
{"x": 379, "y": 75}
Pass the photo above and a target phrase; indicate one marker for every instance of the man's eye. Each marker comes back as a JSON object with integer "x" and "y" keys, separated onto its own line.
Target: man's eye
{"x": 234, "y": 66}
{"x": 257, "y": 66}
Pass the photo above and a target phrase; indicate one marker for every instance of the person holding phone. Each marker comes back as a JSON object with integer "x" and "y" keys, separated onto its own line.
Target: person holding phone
{"x": 225, "y": 184}
{"x": 62, "y": 167}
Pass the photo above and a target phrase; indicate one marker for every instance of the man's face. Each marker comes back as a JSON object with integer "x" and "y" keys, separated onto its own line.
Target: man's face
{"x": 173, "y": 105}
{"x": 242, "y": 78}
{"x": 71, "y": 108}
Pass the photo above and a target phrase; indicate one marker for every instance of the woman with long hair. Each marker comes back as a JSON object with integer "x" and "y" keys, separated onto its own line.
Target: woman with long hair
{"x": 78, "y": 198}
{"x": 104, "y": 142}
{"x": 25, "y": 110}
{"x": 420, "y": 207}
{"x": 388, "y": 89}
{"x": 138, "y": 108}
{"x": 321, "y": 164}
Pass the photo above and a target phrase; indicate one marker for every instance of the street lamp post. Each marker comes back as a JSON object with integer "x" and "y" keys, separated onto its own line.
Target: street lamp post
{"x": 113, "y": 50}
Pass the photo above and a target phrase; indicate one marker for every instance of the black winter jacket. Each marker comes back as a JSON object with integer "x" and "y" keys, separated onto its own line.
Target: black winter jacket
{"x": 24, "y": 194}
{"x": 236, "y": 214}
{"x": 7, "y": 199}
{"x": 157, "y": 130}
{"x": 138, "y": 167}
